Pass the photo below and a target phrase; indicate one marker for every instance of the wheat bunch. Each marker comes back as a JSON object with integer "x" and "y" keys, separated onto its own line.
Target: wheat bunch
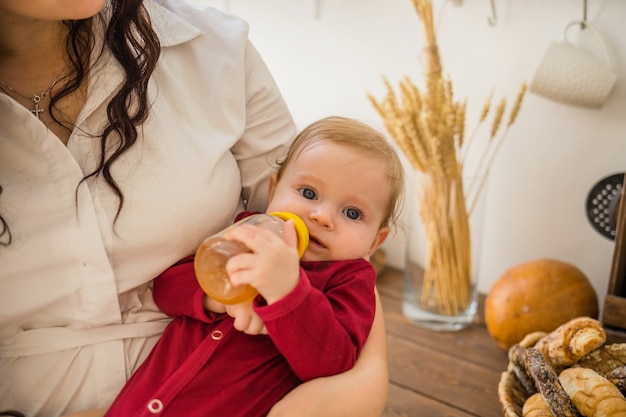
{"x": 428, "y": 126}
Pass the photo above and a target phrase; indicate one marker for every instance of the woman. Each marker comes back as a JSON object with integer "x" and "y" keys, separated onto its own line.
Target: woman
{"x": 128, "y": 133}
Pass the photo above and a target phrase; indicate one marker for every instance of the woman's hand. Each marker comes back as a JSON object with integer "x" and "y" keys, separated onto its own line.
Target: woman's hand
{"x": 89, "y": 413}
{"x": 361, "y": 391}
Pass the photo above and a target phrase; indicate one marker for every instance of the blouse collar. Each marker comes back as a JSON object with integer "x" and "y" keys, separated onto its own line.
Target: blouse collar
{"x": 171, "y": 29}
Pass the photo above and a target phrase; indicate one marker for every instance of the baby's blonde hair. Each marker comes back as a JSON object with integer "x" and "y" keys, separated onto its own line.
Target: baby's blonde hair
{"x": 359, "y": 137}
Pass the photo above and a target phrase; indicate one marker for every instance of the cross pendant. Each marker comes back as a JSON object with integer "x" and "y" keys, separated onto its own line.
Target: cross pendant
{"x": 36, "y": 99}
{"x": 37, "y": 110}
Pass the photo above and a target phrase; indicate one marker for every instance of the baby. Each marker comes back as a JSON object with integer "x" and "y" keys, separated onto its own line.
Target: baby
{"x": 311, "y": 316}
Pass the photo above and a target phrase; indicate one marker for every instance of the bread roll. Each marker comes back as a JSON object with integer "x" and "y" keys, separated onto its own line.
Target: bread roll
{"x": 571, "y": 341}
{"x": 535, "y": 406}
{"x": 547, "y": 383}
{"x": 592, "y": 394}
{"x": 618, "y": 377}
{"x": 518, "y": 367}
{"x": 604, "y": 359}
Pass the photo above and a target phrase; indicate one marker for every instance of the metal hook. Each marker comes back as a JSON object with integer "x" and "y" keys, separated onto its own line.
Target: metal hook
{"x": 318, "y": 9}
{"x": 493, "y": 19}
{"x": 583, "y": 24}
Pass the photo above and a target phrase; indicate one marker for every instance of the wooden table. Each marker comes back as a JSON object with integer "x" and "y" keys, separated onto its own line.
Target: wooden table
{"x": 451, "y": 374}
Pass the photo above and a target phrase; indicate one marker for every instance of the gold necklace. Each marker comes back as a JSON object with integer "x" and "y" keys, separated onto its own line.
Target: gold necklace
{"x": 35, "y": 98}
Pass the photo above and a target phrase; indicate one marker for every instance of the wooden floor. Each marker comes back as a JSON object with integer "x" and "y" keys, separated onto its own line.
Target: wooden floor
{"x": 438, "y": 374}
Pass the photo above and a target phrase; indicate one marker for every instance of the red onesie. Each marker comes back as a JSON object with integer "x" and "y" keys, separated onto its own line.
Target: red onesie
{"x": 202, "y": 366}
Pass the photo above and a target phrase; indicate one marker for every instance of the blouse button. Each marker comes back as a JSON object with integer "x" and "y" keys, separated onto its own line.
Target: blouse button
{"x": 155, "y": 406}
{"x": 217, "y": 335}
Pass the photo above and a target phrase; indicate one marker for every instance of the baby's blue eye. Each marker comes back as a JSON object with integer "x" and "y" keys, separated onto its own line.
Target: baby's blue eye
{"x": 352, "y": 213}
{"x": 308, "y": 193}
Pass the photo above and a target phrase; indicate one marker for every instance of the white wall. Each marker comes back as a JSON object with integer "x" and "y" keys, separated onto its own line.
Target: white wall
{"x": 554, "y": 153}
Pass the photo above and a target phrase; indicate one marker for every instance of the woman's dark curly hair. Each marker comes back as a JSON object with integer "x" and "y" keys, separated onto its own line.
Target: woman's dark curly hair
{"x": 134, "y": 44}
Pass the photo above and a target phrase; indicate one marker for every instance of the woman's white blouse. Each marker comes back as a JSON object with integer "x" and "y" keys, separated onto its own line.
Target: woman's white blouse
{"x": 76, "y": 309}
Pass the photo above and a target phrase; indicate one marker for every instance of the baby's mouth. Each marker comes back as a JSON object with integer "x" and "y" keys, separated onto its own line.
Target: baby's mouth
{"x": 316, "y": 242}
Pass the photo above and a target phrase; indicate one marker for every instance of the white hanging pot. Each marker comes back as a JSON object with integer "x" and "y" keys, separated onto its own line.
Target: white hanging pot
{"x": 574, "y": 76}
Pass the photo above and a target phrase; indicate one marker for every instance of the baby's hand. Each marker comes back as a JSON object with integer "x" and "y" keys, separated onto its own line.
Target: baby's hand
{"x": 213, "y": 306}
{"x": 246, "y": 320}
{"x": 273, "y": 267}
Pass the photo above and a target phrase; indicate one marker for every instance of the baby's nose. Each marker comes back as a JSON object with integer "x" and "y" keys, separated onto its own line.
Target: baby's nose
{"x": 322, "y": 217}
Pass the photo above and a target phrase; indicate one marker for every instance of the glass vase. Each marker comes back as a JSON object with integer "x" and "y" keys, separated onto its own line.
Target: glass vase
{"x": 443, "y": 247}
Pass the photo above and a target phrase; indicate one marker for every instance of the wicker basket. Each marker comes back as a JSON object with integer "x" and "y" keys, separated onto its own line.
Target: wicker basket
{"x": 510, "y": 391}
{"x": 513, "y": 395}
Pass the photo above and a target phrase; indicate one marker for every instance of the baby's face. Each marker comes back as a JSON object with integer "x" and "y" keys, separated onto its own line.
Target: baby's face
{"x": 341, "y": 195}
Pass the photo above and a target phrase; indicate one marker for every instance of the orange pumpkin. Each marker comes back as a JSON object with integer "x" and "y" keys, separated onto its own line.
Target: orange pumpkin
{"x": 539, "y": 295}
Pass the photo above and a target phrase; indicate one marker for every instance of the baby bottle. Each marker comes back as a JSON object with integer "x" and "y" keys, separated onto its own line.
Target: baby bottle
{"x": 214, "y": 252}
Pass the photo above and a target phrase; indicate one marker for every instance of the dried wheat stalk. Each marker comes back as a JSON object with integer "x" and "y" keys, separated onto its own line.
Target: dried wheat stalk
{"x": 428, "y": 126}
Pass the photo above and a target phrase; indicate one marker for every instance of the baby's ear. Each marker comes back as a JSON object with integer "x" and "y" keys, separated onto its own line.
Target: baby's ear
{"x": 379, "y": 239}
{"x": 272, "y": 185}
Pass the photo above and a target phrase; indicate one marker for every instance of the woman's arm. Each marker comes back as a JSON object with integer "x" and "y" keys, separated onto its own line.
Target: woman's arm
{"x": 361, "y": 391}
